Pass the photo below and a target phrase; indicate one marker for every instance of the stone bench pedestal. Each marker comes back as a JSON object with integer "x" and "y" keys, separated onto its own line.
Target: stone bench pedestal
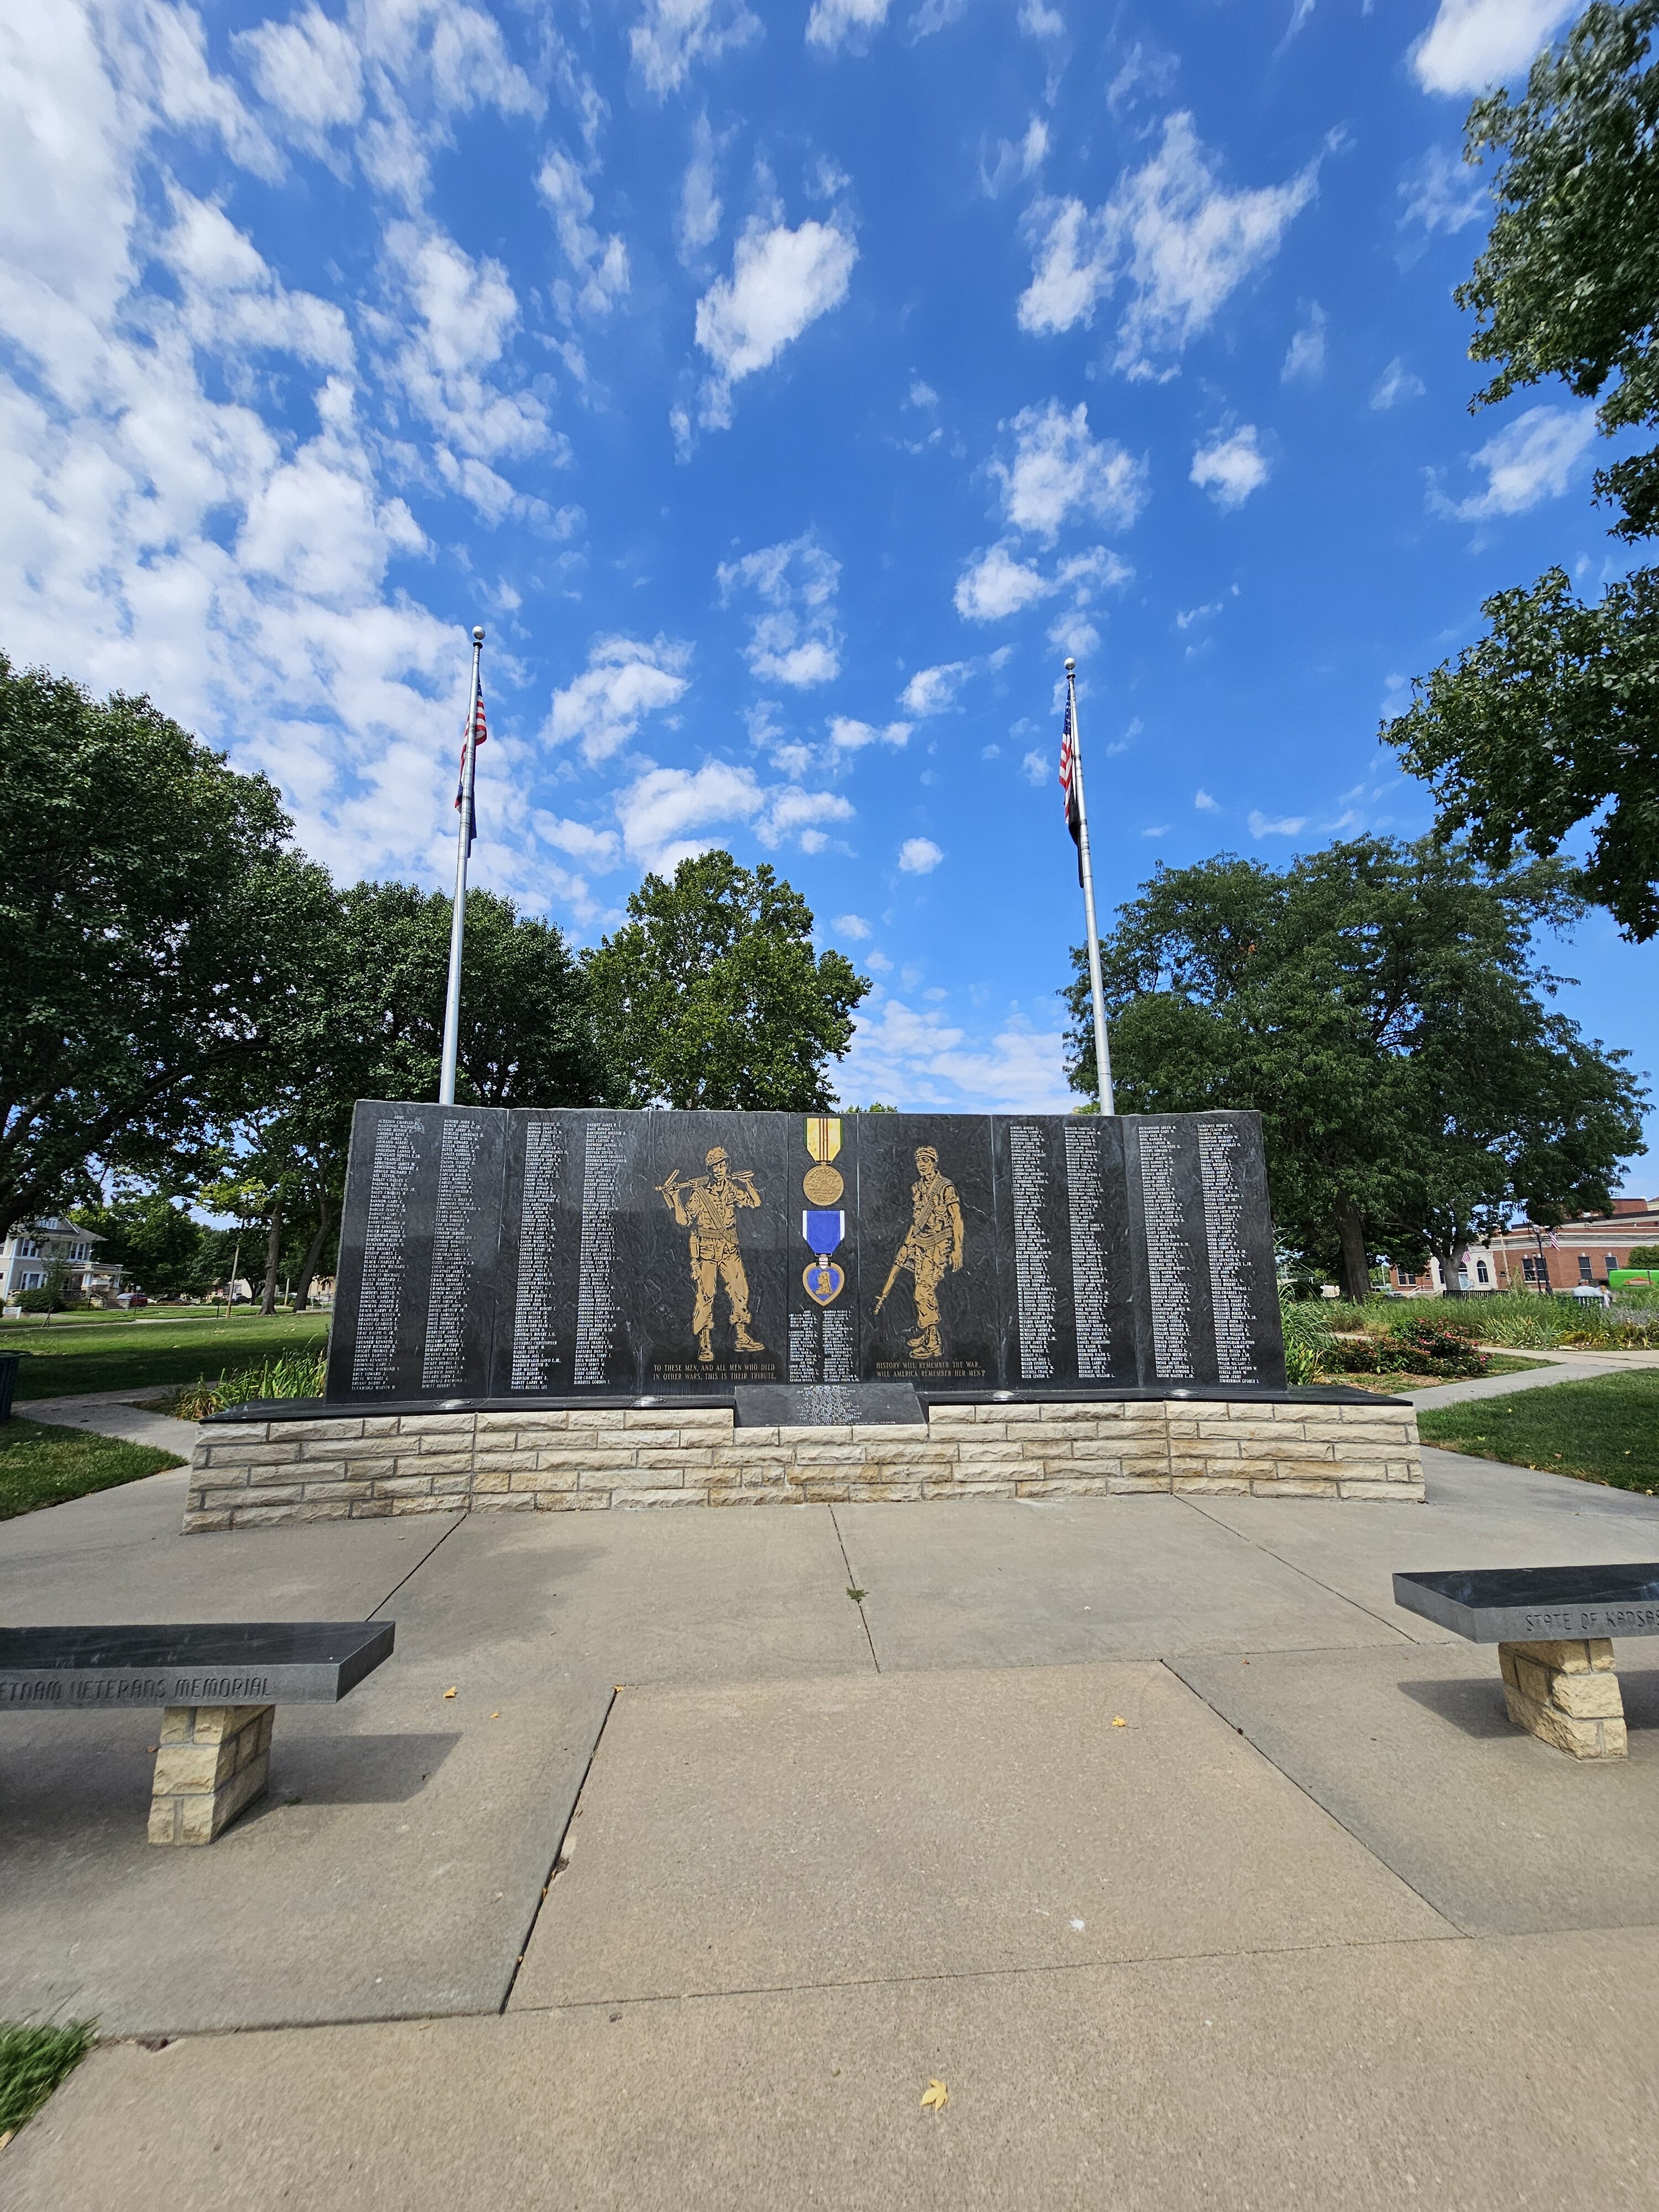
{"x": 213, "y": 1761}
{"x": 1567, "y": 1694}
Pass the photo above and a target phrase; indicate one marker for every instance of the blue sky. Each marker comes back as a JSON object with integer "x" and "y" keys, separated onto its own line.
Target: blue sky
{"x": 787, "y": 389}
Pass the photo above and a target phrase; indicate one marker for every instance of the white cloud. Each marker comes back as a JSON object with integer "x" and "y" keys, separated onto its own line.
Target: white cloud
{"x": 1181, "y": 241}
{"x": 794, "y": 641}
{"x": 918, "y": 856}
{"x": 1039, "y": 20}
{"x": 1059, "y": 471}
{"x": 624, "y": 681}
{"x": 833, "y": 21}
{"x": 1035, "y": 768}
{"x": 1531, "y": 458}
{"x": 309, "y": 69}
{"x": 1472, "y": 44}
{"x": 1203, "y": 803}
{"x": 781, "y": 281}
{"x": 231, "y": 301}
{"x": 672, "y": 34}
{"x": 1443, "y": 192}
{"x": 1015, "y": 162}
{"x": 933, "y": 690}
{"x": 922, "y": 395}
{"x": 601, "y": 264}
{"x": 914, "y": 1061}
{"x": 667, "y": 812}
{"x": 1230, "y": 467}
{"x": 998, "y": 586}
{"x": 851, "y": 925}
{"x": 1396, "y": 384}
{"x": 995, "y": 585}
{"x": 464, "y": 312}
{"x": 595, "y": 849}
{"x": 1305, "y": 355}
{"x": 1287, "y": 825}
{"x": 697, "y": 220}
{"x": 1147, "y": 72}
{"x": 847, "y": 736}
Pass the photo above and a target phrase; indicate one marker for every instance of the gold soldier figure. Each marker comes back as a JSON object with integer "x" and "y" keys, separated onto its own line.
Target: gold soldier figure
{"x": 932, "y": 1242}
{"x": 707, "y": 1207}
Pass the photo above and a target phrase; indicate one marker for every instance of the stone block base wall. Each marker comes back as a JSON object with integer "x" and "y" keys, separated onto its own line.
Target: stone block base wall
{"x": 212, "y": 1760}
{"x": 587, "y": 1458}
{"x": 1567, "y": 1693}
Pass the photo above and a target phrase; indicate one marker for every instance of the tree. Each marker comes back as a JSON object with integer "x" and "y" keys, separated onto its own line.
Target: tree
{"x": 152, "y": 1239}
{"x": 1378, "y": 1005}
{"x": 710, "y": 995}
{"x": 1553, "y": 719}
{"x": 154, "y": 919}
{"x": 367, "y": 1023}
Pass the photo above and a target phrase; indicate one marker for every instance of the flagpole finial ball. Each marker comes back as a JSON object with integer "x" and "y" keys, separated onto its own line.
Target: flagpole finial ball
{"x": 478, "y": 634}
{"x": 1071, "y": 668}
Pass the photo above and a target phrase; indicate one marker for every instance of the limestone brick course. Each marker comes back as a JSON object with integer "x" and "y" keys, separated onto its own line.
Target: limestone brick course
{"x": 595, "y": 1459}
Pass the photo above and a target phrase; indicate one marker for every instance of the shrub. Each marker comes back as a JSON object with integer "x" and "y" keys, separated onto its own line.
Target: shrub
{"x": 295, "y": 1375}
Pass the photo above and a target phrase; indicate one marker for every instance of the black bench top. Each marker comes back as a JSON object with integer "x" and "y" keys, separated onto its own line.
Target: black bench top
{"x": 235, "y": 1662}
{"x": 1528, "y": 1605}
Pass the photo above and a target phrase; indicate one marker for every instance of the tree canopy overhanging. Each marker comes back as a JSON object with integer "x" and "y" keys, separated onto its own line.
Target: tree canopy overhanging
{"x": 1379, "y": 1005}
{"x": 1550, "y": 723}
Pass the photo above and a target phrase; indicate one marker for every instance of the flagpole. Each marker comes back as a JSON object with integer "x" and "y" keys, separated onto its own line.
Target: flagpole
{"x": 1103, "y": 1051}
{"x": 458, "y": 913}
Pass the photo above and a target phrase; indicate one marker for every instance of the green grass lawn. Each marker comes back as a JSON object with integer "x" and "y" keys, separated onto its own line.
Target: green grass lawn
{"x": 1607, "y": 1431}
{"x": 122, "y": 1352}
{"x": 32, "y": 2062}
{"x": 42, "y": 1464}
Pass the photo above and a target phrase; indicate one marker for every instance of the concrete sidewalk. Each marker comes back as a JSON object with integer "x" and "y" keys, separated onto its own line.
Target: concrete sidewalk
{"x": 1314, "y": 1922}
{"x": 114, "y": 1413}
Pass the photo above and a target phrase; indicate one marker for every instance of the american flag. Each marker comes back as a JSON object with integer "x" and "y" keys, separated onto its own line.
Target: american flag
{"x": 1068, "y": 783}
{"x": 479, "y": 734}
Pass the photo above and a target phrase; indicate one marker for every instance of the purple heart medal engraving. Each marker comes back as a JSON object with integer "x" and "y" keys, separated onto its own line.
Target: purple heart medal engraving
{"x": 824, "y": 1225}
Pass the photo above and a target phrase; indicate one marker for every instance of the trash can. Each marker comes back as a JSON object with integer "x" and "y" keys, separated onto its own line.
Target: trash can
{"x": 7, "y": 1379}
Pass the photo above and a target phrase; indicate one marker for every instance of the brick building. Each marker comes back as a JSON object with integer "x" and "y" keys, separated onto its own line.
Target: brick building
{"x": 1577, "y": 1255}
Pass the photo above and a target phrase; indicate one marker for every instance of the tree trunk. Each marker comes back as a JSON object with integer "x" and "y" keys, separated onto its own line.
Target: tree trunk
{"x": 1354, "y": 1271}
{"x": 273, "y": 1257}
{"x": 325, "y": 1220}
{"x": 1449, "y": 1281}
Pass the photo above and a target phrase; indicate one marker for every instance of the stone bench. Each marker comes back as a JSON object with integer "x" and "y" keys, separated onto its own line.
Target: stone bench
{"x": 1554, "y": 1627}
{"x": 218, "y": 1685}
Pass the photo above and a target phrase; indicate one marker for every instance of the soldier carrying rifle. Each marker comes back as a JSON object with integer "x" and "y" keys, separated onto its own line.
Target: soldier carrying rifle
{"x": 932, "y": 1243}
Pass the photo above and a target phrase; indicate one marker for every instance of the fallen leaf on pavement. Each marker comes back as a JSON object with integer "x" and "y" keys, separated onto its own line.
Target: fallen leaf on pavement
{"x": 1118, "y": 1721}
{"x": 935, "y": 2097}
{"x": 449, "y": 1693}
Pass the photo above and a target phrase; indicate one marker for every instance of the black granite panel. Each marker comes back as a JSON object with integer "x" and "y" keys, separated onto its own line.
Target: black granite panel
{"x": 524, "y": 1256}
{"x": 927, "y": 1234}
{"x": 415, "y": 1285}
{"x": 272, "y": 1663}
{"x": 1100, "y": 1262}
{"x": 1537, "y": 1605}
{"x": 825, "y": 1285}
{"x": 716, "y": 1207}
{"x": 1245, "y": 1326}
{"x": 827, "y": 1406}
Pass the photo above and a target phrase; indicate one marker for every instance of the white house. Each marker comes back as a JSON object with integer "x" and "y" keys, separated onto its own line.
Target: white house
{"x": 30, "y": 1249}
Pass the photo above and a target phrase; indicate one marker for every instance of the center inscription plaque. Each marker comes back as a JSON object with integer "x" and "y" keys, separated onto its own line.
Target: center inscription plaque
{"x": 546, "y": 1253}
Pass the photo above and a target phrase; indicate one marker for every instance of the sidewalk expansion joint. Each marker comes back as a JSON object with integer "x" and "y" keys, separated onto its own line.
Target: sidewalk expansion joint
{"x": 558, "y": 1854}
{"x": 1370, "y": 1850}
{"x": 1307, "y": 1573}
{"x": 420, "y": 1563}
{"x": 999, "y": 1973}
{"x": 853, "y": 1585}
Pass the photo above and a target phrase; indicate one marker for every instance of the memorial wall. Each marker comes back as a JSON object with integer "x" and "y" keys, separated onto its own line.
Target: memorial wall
{"x": 492, "y": 1254}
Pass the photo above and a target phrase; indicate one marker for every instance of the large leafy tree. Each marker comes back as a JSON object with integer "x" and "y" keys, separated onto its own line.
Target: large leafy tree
{"x": 1378, "y": 1004}
{"x": 154, "y": 921}
{"x": 368, "y": 1023}
{"x": 1552, "y": 719}
{"x": 710, "y": 994}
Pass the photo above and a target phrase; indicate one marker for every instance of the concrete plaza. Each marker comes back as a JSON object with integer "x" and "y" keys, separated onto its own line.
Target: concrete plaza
{"x": 707, "y": 1866}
